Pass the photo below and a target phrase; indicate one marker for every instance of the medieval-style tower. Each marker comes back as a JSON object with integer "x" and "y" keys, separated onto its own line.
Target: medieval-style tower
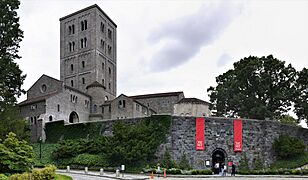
{"x": 88, "y": 52}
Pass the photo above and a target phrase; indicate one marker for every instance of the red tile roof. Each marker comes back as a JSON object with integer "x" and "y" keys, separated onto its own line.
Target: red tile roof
{"x": 37, "y": 99}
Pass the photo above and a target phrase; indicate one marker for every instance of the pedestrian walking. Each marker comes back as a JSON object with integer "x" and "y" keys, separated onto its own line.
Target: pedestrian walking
{"x": 233, "y": 170}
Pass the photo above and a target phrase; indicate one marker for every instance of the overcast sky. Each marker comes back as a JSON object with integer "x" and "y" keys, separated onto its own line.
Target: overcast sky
{"x": 166, "y": 46}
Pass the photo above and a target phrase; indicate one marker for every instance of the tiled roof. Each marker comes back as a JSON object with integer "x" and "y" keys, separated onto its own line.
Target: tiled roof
{"x": 144, "y": 96}
{"x": 37, "y": 99}
{"x": 192, "y": 100}
{"x": 76, "y": 90}
{"x": 87, "y": 8}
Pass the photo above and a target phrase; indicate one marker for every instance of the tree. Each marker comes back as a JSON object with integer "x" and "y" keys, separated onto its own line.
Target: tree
{"x": 256, "y": 88}
{"x": 287, "y": 119}
{"x": 15, "y": 155}
{"x": 11, "y": 77}
{"x": 11, "y": 121}
{"x": 288, "y": 147}
{"x": 301, "y": 97}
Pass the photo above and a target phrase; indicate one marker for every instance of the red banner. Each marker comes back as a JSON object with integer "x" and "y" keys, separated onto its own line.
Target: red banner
{"x": 237, "y": 125}
{"x": 199, "y": 133}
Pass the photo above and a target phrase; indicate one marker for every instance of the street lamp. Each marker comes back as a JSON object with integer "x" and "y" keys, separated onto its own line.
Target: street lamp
{"x": 40, "y": 140}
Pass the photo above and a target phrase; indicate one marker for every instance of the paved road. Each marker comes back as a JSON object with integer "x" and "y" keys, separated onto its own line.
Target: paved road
{"x": 84, "y": 177}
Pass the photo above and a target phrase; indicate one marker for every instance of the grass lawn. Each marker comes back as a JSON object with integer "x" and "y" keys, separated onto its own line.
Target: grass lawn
{"x": 62, "y": 177}
{"x": 291, "y": 163}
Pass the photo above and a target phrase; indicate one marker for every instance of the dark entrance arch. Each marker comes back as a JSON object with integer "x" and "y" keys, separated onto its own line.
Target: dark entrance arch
{"x": 218, "y": 156}
{"x": 73, "y": 117}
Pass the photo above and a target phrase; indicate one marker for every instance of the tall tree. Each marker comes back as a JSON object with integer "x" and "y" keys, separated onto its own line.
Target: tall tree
{"x": 11, "y": 77}
{"x": 301, "y": 97}
{"x": 256, "y": 88}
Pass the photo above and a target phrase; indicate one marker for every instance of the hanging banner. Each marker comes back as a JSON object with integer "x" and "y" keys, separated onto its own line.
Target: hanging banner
{"x": 199, "y": 133}
{"x": 237, "y": 125}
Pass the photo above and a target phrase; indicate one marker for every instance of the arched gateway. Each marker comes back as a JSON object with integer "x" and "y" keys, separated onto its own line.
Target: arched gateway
{"x": 218, "y": 157}
{"x": 73, "y": 118}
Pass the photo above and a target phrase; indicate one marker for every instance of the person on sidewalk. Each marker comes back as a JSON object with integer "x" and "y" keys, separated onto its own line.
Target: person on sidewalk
{"x": 233, "y": 170}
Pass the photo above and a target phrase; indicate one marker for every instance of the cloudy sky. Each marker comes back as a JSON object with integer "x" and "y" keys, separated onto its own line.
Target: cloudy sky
{"x": 171, "y": 45}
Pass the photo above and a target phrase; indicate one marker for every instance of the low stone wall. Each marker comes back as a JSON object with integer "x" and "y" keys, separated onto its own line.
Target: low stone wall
{"x": 258, "y": 136}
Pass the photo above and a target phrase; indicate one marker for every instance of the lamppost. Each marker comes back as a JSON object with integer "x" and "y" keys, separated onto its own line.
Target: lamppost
{"x": 40, "y": 140}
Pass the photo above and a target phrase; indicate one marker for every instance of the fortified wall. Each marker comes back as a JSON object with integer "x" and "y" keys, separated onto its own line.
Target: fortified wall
{"x": 257, "y": 138}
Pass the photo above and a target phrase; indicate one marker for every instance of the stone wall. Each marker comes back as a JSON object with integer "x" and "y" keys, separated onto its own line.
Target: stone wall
{"x": 258, "y": 137}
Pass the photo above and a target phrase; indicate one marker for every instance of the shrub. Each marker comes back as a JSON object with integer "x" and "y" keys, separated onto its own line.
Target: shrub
{"x": 184, "y": 164}
{"x": 173, "y": 171}
{"x": 203, "y": 172}
{"x": 3, "y": 177}
{"x": 46, "y": 173}
{"x": 23, "y": 176}
{"x": 15, "y": 155}
{"x": 89, "y": 160}
{"x": 287, "y": 147}
{"x": 167, "y": 161}
{"x": 244, "y": 164}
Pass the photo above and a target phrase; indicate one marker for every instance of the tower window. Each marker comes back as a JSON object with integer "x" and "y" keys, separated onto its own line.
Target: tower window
{"x": 82, "y": 26}
{"x": 109, "y": 34}
{"x": 83, "y": 64}
{"x": 69, "y": 30}
{"x": 73, "y": 46}
{"x": 72, "y": 83}
{"x": 109, "y": 85}
{"x": 70, "y": 46}
{"x": 81, "y": 43}
{"x": 73, "y": 29}
{"x": 50, "y": 118}
{"x": 109, "y": 50}
{"x": 102, "y": 44}
{"x": 72, "y": 67}
{"x": 102, "y": 27}
{"x": 58, "y": 107}
{"x": 103, "y": 82}
{"x": 83, "y": 81}
{"x": 109, "y": 70}
{"x": 85, "y": 42}
{"x": 103, "y": 66}
{"x": 85, "y": 24}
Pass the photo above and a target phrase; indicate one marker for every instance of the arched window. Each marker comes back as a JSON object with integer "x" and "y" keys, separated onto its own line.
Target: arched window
{"x": 83, "y": 81}
{"x": 85, "y": 42}
{"x": 73, "y": 46}
{"x": 103, "y": 66}
{"x": 50, "y": 118}
{"x": 69, "y": 30}
{"x": 109, "y": 85}
{"x": 106, "y": 98}
{"x": 109, "y": 70}
{"x": 102, "y": 27}
{"x": 72, "y": 67}
{"x": 83, "y": 64}
{"x": 58, "y": 107}
{"x": 70, "y": 46}
{"x": 72, "y": 83}
{"x": 81, "y": 43}
{"x": 73, "y": 29}
{"x": 82, "y": 26}
{"x": 103, "y": 82}
{"x": 85, "y": 24}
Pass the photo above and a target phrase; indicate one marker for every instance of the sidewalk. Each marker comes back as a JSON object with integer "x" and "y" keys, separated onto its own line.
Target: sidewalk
{"x": 106, "y": 174}
{"x": 128, "y": 176}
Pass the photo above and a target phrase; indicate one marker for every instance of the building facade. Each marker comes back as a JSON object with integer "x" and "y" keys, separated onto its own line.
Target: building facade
{"x": 87, "y": 89}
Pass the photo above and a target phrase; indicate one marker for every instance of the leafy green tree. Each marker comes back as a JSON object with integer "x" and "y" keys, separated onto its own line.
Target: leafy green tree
{"x": 11, "y": 77}
{"x": 15, "y": 155}
{"x": 301, "y": 98}
{"x": 11, "y": 121}
{"x": 256, "y": 88}
{"x": 288, "y": 147}
{"x": 287, "y": 119}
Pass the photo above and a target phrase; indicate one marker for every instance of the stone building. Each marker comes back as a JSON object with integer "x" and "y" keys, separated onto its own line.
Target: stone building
{"x": 87, "y": 89}
{"x": 192, "y": 107}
